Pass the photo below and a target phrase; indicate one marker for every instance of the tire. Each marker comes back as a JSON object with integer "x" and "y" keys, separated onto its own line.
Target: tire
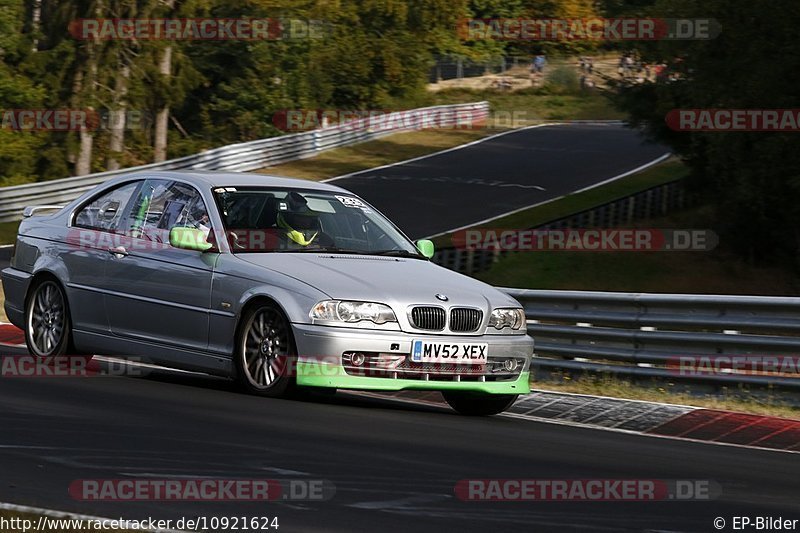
{"x": 479, "y": 404}
{"x": 48, "y": 328}
{"x": 265, "y": 352}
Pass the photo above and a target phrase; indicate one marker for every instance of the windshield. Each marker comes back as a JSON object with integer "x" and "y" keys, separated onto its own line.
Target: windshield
{"x": 293, "y": 220}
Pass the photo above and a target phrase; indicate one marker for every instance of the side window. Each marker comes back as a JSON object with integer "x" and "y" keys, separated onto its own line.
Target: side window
{"x": 162, "y": 205}
{"x": 106, "y": 212}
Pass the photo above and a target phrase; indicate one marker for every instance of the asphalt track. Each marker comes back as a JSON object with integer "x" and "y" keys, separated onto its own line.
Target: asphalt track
{"x": 394, "y": 465}
{"x": 456, "y": 188}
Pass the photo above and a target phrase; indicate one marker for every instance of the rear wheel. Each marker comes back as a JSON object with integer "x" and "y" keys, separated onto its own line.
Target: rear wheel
{"x": 47, "y": 321}
{"x": 265, "y": 352}
{"x": 479, "y": 404}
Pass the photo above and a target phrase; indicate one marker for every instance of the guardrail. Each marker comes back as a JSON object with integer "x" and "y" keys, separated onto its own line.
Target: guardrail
{"x": 682, "y": 337}
{"x": 253, "y": 155}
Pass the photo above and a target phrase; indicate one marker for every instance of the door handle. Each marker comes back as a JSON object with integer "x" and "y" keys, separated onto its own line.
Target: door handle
{"x": 119, "y": 252}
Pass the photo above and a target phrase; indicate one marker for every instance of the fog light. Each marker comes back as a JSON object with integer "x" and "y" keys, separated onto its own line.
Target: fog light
{"x": 357, "y": 359}
{"x": 510, "y": 365}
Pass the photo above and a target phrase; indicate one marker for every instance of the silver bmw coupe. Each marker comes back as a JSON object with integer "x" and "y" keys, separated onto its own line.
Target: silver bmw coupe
{"x": 278, "y": 283}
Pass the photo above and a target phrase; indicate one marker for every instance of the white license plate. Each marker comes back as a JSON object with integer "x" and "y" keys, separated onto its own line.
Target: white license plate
{"x": 462, "y": 353}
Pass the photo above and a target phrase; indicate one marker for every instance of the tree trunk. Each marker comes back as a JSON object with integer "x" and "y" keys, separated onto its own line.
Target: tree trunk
{"x": 117, "y": 117}
{"x": 83, "y": 165}
{"x": 162, "y": 117}
{"x": 77, "y": 87}
{"x": 36, "y": 20}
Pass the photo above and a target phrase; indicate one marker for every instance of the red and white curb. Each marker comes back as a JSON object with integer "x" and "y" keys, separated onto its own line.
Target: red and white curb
{"x": 11, "y": 335}
{"x": 613, "y": 414}
{"x": 653, "y": 419}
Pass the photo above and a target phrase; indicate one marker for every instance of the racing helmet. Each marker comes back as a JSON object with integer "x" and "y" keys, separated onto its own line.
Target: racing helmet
{"x": 300, "y": 221}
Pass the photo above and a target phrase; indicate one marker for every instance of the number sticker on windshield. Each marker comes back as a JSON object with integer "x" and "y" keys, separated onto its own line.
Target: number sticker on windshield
{"x": 349, "y": 201}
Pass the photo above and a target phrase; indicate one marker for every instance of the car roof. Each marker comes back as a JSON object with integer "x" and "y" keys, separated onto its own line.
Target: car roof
{"x": 232, "y": 179}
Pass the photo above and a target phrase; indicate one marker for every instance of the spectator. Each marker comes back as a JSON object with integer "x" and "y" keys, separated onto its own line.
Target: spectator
{"x": 539, "y": 63}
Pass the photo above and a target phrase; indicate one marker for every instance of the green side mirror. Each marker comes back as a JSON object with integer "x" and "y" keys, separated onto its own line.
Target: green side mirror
{"x": 189, "y": 239}
{"x": 425, "y": 247}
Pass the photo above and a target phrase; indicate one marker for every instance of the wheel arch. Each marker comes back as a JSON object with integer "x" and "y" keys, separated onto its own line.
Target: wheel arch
{"x": 39, "y": 277}
{"x": 295, "y": 306}
{"x": 253, "y": 302}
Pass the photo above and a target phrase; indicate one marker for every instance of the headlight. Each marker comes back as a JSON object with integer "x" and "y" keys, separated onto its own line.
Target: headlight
{"x": 346, "y": 311}
{"x": 507, "y": 318}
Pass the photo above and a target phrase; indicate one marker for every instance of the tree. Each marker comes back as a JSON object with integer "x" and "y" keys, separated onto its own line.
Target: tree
{"x": 752, "y": 179}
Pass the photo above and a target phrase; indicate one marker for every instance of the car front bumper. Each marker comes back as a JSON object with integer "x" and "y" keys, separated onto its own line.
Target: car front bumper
{"x": 322, "y": 356}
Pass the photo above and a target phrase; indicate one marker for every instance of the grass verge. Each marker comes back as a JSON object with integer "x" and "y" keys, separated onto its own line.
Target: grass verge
{"x": 718, "y": 271}
{"x": 534, "y": 105}
{"x": 766, "y": 402}
{"x": 370, "y": 154}
{"x": 8, "y": 232}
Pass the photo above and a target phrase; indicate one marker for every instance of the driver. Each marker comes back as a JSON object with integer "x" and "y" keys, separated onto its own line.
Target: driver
{"x": 300, "y": 223}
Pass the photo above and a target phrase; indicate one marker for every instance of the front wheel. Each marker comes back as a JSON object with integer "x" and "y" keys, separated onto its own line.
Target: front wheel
{"x": 479, "y": 404}
{"x": 265, "y": 352}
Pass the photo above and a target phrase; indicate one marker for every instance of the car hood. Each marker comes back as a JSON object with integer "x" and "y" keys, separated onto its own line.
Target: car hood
{"x": 390, "y": 280}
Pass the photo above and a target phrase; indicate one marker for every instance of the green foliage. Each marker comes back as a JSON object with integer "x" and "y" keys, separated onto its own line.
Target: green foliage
{"x": 562, "y": 80}
{"x": 372, "y": 54}
{"x": 753, "y": 179}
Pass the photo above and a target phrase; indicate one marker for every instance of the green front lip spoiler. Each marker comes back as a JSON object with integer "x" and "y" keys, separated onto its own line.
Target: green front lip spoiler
{"x": 310, "y": 374}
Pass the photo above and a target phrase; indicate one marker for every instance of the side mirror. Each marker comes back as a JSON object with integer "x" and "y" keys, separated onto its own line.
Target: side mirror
{"x": 189, "y": 239}
{"x": 425, "y": 247}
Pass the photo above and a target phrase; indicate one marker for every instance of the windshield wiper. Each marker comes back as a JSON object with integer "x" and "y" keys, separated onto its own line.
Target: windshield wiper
{"x": 397, "y": 253}
{"x": 345, "y": 251}
{"x": 303, "y": 251}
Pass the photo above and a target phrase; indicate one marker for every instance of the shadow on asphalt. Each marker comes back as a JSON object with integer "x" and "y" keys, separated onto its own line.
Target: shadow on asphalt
{"x": 340, "y": 398}
{"x": 209, "y": 382}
